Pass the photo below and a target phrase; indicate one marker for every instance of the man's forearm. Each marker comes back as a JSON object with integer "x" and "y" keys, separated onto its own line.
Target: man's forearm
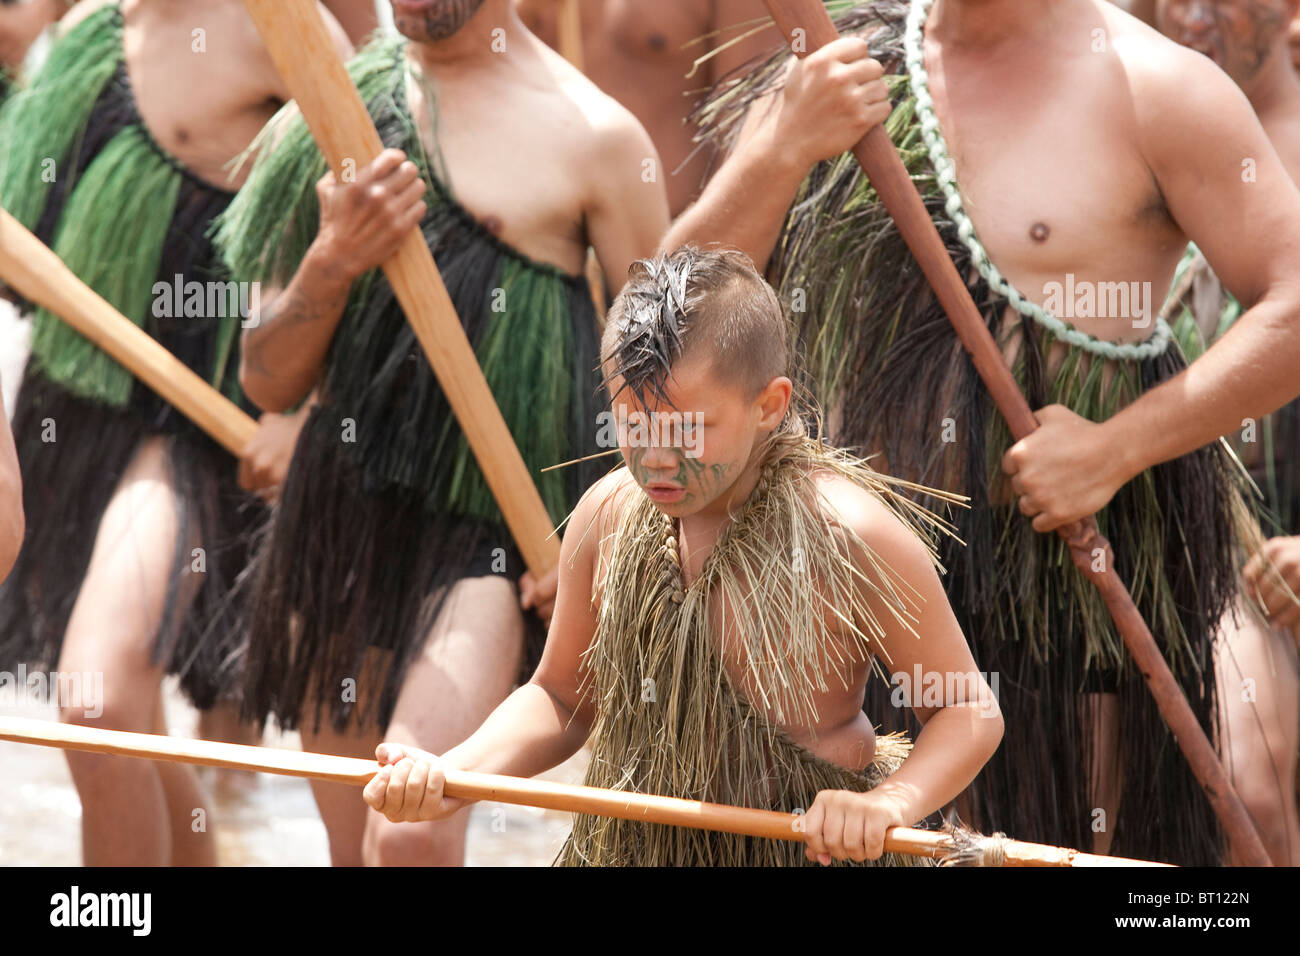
{"x": 746, "y": 202}
{"x": 530, "y": 731}
{"x": 282, "y": 355}
{"x": 1252, "y": 370}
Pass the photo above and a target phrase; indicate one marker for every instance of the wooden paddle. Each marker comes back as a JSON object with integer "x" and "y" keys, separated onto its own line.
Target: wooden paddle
{"x": 300, "y": 46}
{"x": 34, "y": 270}
{"x": 568, "y": 29}
{"x": 962, "y": 847}
{"x": 881, "y": 163}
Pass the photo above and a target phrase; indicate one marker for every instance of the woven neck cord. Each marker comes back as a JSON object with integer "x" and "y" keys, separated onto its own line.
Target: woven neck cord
{"x": 946, "y": 174}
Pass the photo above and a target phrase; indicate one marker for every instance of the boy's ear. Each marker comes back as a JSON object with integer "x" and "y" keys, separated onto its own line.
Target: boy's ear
{"x": 772, "y": 402}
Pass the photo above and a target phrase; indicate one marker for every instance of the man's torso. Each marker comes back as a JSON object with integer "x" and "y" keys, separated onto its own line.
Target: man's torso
{"x": 515, "y": 134}
{"x": 1046, "y": 143}
{"x": 636, "y": 52}
{"x": 201, "y": 79}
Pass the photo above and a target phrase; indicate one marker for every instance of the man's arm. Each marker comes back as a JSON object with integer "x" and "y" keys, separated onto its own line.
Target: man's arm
{"x": 627, "y": 209}
{"x": 542, "y": 723}
{"x": 358, "y": 18}
{"x": 1231, "y": 194}
{"x": 829, "y": 101}
{"x": 276, "y": 88}
{"x": 12, "y": 522}
{"x": 741, "y": 37}
{"x": 362, "y": 223}
{"x": 21, "y": 24}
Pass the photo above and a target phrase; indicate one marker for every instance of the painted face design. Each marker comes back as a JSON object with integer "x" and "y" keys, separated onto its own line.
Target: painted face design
{"x": 432, "y": 20}
{"x": 1236, "y": 34}
{"x": 678, "y": 484}
{"x": 682, "y": 459}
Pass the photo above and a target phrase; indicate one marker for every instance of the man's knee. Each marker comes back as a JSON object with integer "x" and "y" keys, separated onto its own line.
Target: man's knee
{"x": 414, "y": 844}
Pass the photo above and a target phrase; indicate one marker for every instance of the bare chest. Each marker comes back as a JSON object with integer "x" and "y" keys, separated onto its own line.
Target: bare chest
{"x": 512, "y": 156}
{"x": 1053, "y": 179}
{"x": 201, "y": 90}
{"x": 655, "y": 31}
{"x": 752, "y": 628}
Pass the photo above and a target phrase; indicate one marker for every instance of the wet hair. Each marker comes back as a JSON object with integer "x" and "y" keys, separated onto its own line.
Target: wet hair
{"x": 689, "y": 302}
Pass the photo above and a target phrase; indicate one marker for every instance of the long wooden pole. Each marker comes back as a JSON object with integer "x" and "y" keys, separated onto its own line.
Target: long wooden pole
{"x": 299, "y": 45}
{"x": 880, "y": 161}
{"x": 34, "y": 270}
{"x": 569, "y": 31}
{"x": 526, "y": 792}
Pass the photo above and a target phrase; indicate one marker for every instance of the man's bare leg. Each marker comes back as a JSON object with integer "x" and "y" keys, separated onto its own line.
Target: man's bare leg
{"x": 1259, "y": 727}
{"x": 188, "y": 803}
{"x": 126, "y": 815}
{"x": 222, "y": 723}
{"x": 340, "y": 805}
{"x": 467, "y": 668}
{"x": 1106, "y": 773}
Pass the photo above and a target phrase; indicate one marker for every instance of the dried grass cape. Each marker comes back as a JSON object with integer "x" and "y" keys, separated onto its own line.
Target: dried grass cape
{"x": 123, "y": 214}
{"x": 881, "y": 347}
{"x": 384, "y": 507}
{"x": 670, "y": 719}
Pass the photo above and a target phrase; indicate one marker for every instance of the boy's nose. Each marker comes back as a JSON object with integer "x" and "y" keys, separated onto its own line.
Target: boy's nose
{"x": 659, "y": 458}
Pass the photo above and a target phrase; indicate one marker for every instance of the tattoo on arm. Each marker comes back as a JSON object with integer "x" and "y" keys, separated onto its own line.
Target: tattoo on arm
{"x": 294, "y": 308}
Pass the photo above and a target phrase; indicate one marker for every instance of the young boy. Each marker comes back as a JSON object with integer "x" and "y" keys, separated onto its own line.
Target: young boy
{"x": 720, "y": 601}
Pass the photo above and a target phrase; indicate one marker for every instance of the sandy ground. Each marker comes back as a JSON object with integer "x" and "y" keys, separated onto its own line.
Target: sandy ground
{"x": 259, "y": 819}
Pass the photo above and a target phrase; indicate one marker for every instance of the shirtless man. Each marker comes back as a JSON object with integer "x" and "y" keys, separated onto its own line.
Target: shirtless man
{"x": 202, "y": 86}
{"x": 21, "y": 22}
{"x": 358, "y": 18}
{"x": 643, "y": 55}
{"x": 407, "y": 602}
{"x": 1097, "y": 169}
{"x": 1248, "y": 40}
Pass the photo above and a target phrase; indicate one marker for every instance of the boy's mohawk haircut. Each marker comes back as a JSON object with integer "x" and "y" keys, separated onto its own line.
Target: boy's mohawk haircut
{"x": 649, "y": 327}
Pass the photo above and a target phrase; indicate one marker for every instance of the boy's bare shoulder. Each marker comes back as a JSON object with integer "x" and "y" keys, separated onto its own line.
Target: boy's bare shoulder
{"x": 599, "y": 510}
{"x": 869, "y": 518}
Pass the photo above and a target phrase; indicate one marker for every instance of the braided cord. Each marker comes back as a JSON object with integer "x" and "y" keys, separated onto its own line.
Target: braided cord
{"x": 946, "y": 175}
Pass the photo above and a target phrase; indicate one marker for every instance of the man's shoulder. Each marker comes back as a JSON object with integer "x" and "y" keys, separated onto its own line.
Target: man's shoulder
{"x": 1173, "y": 90}
{"x": 607, "y": 122}
{"x": 82, "y": 11}
{"x": 1153, "y": 63}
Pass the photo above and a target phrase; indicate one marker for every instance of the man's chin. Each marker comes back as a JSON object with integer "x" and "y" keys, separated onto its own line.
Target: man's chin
{"x": 430, "y": 21}
{"x": 412, "y": 27}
